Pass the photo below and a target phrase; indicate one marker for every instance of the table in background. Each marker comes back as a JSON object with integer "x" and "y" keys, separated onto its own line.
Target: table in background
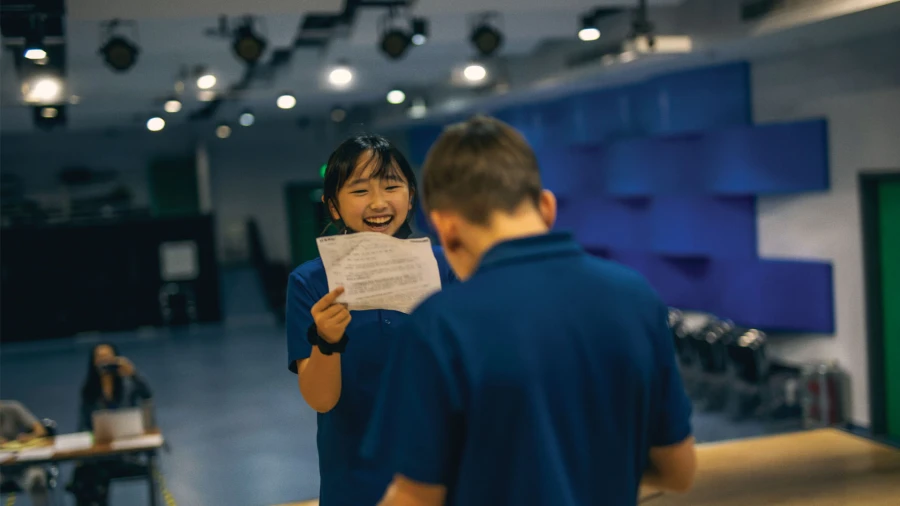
{"x": 104, "y": 451}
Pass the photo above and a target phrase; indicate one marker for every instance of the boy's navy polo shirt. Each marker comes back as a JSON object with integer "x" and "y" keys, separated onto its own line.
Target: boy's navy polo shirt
{"x": 346, "y": 480}
{"x": 543, "y": 379}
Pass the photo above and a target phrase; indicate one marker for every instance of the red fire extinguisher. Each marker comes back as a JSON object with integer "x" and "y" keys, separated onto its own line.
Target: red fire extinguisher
{"x": 823, "y": 395}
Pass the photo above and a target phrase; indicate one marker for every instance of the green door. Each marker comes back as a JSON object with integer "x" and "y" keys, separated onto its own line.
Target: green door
{"x": 173, "y": 187}
{"x": 306, "y": 220}
{"x": 889, "y": 255}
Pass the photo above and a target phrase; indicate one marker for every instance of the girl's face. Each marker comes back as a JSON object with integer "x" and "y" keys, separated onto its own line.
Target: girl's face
{"x": 368, "y": 204}
{"x": 104, "y": 355}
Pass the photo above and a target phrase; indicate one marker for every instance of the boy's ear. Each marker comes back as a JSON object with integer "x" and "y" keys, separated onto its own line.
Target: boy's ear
{"x": 547, "y": 207}
{"x": 447, "y": 227}
{"x": 437, "y": 220}
{"x": 441, "y": 222}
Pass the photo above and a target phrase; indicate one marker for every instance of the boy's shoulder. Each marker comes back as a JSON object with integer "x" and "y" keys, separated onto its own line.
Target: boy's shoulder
{"x": 599, "y": 273}
{"x": 615, "y": 273}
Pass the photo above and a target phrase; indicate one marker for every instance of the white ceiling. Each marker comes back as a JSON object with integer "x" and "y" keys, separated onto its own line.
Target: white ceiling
{"x": 180, "y": 9}
{"x": 171, "y": 35}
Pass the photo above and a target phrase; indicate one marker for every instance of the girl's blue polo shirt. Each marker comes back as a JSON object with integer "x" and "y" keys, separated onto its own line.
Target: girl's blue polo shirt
{"x": 346, "y": 480}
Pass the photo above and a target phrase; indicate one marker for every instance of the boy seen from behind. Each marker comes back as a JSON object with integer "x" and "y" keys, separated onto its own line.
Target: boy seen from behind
{"x": 548, "y": 376}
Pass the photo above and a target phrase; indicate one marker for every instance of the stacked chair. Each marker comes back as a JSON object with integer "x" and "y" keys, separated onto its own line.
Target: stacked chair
{"x": 725, "y": 367}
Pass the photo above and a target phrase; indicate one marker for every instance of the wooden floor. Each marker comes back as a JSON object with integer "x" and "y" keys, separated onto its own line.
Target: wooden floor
{"x": 825, "y": 467}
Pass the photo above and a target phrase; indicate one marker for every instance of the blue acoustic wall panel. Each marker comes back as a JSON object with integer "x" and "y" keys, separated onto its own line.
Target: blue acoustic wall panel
{"x": 568, "y": 171}
{"x": 654, "y": 166}
{"x": 528, "y": 120}
{"x": 681, "y": 282}
{"x": 420, "y": 140}
{"x": 769, "y": 294}
{"x": 557, "y": 122}
{"x": 775, "y": 295}
{"x": 767, "y": 159}
{"x": 751, "y": 160}
{"x": 600, "y": 116}
{"x": 672, "y": 226}
{"x": 779, "y": 295}
{"x": 703, "y": 226}
{"x": 567, "y": 216}
{"x": 607, "y": 223}
{"x": 758, "y": 160}
{"x": 695, "y": 99}
{"x": 663, "y": 176}
{"x": 681, "y": 102}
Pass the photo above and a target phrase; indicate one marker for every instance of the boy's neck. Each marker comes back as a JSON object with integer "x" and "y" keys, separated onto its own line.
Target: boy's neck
{"x": 506, "y": 227}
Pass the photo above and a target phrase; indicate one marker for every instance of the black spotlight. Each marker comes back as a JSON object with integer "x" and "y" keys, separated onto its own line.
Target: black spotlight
{"x": 34, "y": 39}
{"x": 419, "y": 31}
{"x": 247, "y": 45}
{"x": 394, "y": 43}
{"x": 119, "y": 52}
{"x": 48, "y": 117}
{"x": 34, "y": 48}
{"x": 486, "y": 38}
{"x": 589, "y": 30}
{"x": 395, "y": 40}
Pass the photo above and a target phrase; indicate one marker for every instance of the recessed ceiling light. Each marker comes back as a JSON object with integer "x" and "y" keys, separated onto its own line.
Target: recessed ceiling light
{"x": 396, "y": 97}
{"x": 172, "y": 105}
{"x": 206, "y": 95}
{"x": 475, "y": 72}
{"x": 206, "y": 81}
{"x": 156, "y": 124}
{"x": 286, "y": 101}
{"x": 223, "y": 131}
{"x": 589, "y": 34}
{"x": 340, "y": 76}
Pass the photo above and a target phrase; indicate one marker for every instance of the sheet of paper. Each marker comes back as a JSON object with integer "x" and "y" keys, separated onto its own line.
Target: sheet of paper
{"x": 35, "y": 453}
{"x": 146, "y": 441}
{"x": 73, "y": 442}
{"x": 15, "y": 445}
{"x": 378, "y": 271}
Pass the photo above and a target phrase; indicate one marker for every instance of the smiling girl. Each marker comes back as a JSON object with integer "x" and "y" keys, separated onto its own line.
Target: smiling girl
{"x": 338, "y": 357}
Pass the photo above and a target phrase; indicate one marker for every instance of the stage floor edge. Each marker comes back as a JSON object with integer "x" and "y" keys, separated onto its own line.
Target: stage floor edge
{"x": 823, "y": 467}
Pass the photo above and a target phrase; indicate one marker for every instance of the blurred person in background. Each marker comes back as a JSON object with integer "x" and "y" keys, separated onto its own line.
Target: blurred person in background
{"x": 19, "y": 424}
{"x": 369, "y": 187}
{"x": 548, "y": 376}
{"x": 112, "y": 382}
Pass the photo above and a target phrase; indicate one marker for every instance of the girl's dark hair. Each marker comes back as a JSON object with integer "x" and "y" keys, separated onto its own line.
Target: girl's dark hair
{"x": 91, "y": 390}
{"x": 384, "y": 158}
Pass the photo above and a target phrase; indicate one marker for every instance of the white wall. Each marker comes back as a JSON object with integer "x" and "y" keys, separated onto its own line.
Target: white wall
{"x": 857, "y": 88}
{"x": 248, "y": 175}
